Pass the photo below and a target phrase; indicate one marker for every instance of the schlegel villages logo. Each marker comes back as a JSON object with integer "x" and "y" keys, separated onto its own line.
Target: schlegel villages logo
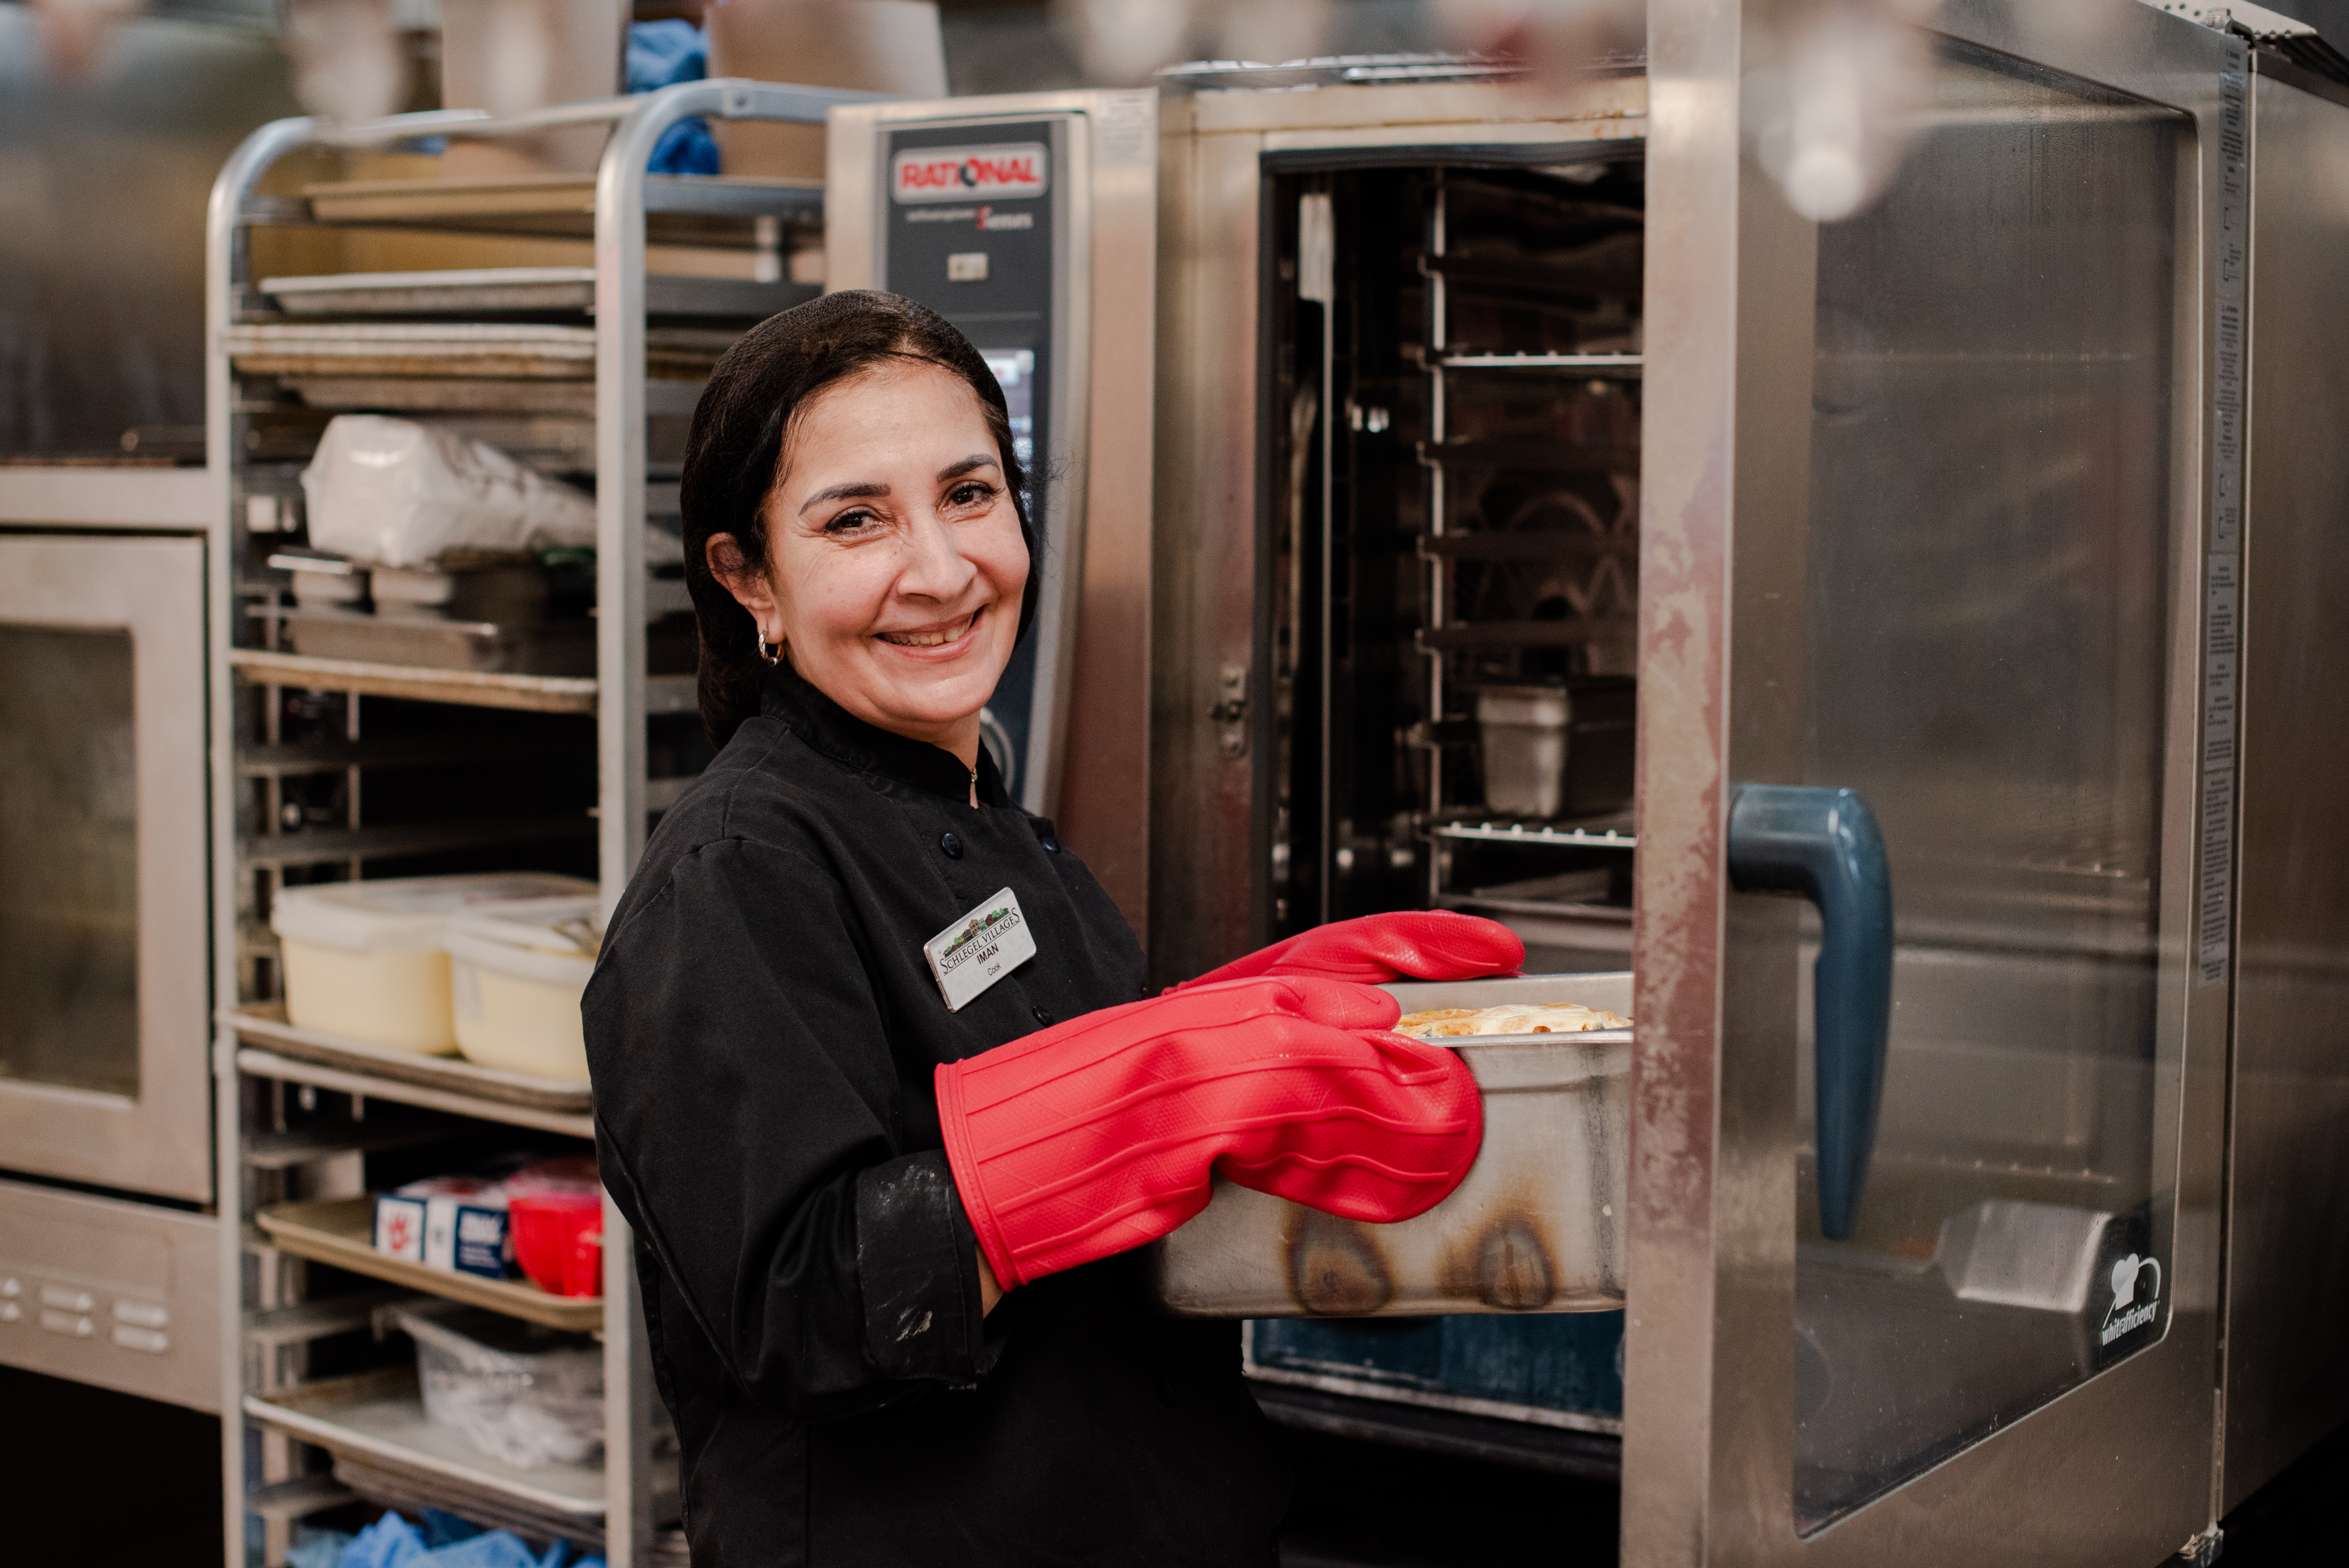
{"x": 2127, "y": 1313}
{"x": 998, "y": 922}
{"x": 1006, "y": 173}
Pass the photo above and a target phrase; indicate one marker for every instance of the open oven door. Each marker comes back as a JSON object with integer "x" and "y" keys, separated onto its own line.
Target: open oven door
{"x": 1937, "y": 597}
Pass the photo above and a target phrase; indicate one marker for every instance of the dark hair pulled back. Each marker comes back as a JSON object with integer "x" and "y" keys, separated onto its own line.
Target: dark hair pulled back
{"x": 735, "y": 449}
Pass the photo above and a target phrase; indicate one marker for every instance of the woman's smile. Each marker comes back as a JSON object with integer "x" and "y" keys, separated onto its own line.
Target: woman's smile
{"x": 946, "y": 639}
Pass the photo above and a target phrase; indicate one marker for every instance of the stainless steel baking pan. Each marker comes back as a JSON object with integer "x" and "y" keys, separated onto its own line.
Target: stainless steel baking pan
{"x": 489, "y": 291}
{"x": 1535, "y": 1226}
{"x": 554, "y": 648}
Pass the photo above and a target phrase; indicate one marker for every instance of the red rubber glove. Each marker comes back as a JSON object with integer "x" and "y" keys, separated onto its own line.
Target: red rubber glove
{"x": 1409, "y": 944}
{"x": 1098, "y": 1135}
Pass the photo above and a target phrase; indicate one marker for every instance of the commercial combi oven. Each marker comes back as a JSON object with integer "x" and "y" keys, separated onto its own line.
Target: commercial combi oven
{"x": 1490, "y": 417}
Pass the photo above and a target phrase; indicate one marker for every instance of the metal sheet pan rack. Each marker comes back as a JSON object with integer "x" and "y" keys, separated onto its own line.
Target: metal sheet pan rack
{"x": 1589, "y": 557}
{"x": 578, "y": 371}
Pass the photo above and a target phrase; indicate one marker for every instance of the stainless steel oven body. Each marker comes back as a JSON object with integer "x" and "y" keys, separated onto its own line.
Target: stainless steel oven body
{"x": 1945, "y": 504}
{"x": 2286, "y": 1372}
{"x": 109, "y": 1253}
{"x": 1496, "y": 427}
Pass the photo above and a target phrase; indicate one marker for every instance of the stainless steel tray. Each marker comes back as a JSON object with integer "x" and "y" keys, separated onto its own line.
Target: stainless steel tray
{"x": 495, "y": 351}
{"x": 484, "y": 291}
{"x": 378, "y": 1418}
{"x": 1535, "y": 1226}
{"x": 554, "y": 648}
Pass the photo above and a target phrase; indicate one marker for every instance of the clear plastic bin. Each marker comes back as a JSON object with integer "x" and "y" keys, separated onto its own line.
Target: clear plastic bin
{"x": 524, "y": 1396}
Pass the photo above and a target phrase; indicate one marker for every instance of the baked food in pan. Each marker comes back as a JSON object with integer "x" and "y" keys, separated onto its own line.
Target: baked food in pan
{"x": 1516, "y": 1019}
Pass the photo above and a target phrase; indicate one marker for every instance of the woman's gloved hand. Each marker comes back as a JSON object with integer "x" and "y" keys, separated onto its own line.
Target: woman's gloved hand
{"x": 1409, "y": 944}
{"x": 1098, "y": 1134}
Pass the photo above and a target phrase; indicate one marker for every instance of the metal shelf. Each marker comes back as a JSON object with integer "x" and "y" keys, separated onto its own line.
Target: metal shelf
{"x": 471, "y": 689}
{"x": 491, "y": 291}
{"x": 385, "y": 755}
{"x": 1599, "y": 833}
{"x": 497, "y": 351}
{"x": 298, "y": 1498}
{"x": 269, "y": 1065}
{"x": 318, "y": 1320}
{"x": 1527, "y": 544}
{"x": 400, "y": 841}
{"x": 378, "y": 1418}
{"x": 1525, "y": 633}
{"x": 1622, "y": 365}
{"x": 341, "y": 1232}
{"x": 679, "y": 208}
{"x": 279, "y": 1049}
{"x": 1559, "y": 456}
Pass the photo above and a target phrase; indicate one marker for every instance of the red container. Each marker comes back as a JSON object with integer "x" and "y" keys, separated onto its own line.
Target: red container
{"x": 556, "y": 1210}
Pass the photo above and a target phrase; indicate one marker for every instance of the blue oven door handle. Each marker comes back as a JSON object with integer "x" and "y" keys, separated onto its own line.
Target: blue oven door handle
{"x": 1823, "y": 844}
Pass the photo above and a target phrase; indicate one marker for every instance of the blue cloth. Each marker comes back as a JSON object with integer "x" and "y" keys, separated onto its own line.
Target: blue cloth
{"x": 492, "y": 1549}
{"x": 442, "y": 1529}
{"x": 445, "y": 1541}
{"x": 389, "y": 1542}
{"x": 317, "y": 1549}
{"x": 661, "y": 54}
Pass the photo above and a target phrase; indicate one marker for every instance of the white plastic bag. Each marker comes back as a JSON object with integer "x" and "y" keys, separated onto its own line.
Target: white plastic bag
{"x": 392, "y": 492}
{"x": 523, "y": 1397}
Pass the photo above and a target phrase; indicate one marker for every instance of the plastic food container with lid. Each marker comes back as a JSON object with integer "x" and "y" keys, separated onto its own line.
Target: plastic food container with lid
{"x": 368, "y": 960}
{"x": 518, "y": 972}
{"x": 520, "y": 1394}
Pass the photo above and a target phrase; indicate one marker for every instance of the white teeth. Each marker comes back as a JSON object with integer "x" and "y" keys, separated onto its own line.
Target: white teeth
{"x": 930, "y": 639}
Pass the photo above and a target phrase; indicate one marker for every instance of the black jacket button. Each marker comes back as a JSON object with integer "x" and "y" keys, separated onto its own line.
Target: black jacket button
{"x": 952, "y": 844}
{"x": 1043, "y": 1018}
{"x": 1051, "y": 845}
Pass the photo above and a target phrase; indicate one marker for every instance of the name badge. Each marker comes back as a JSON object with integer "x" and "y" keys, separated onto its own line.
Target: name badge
{"x": 979, "y": 949}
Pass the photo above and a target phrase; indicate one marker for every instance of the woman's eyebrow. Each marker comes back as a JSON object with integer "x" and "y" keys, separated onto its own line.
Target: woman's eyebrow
{"x": 956, "y": 470}
{"x": 862, "y": 489}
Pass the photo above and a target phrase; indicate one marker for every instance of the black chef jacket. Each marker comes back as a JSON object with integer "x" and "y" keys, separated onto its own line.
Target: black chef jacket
{"x": 762, "y": 1029}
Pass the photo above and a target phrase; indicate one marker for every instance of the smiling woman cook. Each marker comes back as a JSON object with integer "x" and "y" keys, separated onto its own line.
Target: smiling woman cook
{"x": 876, "y": 1081}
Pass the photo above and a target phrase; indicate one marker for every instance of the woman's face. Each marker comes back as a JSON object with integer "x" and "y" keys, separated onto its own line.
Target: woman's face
{"x": 894, "y": 563}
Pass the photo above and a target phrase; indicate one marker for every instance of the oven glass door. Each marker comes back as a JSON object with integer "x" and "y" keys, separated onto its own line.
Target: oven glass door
{"x": 1967, "y": 580}
{"x": 102, "y": 913}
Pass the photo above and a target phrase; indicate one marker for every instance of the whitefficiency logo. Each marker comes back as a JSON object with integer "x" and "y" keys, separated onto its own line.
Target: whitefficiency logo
{"x": 2127, "y": 1315}
{"x": 1012, "y": 171}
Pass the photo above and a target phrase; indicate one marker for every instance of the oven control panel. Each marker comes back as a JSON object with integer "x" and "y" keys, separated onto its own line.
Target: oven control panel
{"x": 122, "y": 1295}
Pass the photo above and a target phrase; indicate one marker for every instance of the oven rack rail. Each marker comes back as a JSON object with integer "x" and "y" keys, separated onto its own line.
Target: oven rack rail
{"x": 1603, "y": 833}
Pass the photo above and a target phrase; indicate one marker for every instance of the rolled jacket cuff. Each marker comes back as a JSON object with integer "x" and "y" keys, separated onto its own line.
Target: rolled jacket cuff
{"x": 919, "y": 1273}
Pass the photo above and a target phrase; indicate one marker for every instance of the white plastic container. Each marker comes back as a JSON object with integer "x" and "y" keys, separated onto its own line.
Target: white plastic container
{"x": 367, "y": 961}
{"x": 518, "y": 971}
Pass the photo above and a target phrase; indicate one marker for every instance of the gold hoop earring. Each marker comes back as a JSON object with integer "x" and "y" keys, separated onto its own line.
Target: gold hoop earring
{"x": 773, "y": 653}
